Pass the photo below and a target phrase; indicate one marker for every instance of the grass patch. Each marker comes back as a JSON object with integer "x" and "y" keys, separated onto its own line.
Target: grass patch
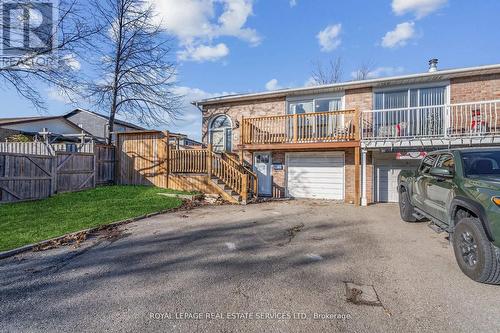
{"x": 31, "y": 222}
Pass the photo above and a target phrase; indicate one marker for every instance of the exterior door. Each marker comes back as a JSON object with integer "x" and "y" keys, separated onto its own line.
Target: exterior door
{"x": 439, "y": 191}
{"x": 218, "y": 140}
{"x": 421, "y": 181}
{"x": 262, "y": 167}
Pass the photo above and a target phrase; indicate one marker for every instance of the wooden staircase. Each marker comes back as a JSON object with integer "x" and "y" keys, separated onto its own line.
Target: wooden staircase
{"x": 227, "y": 175}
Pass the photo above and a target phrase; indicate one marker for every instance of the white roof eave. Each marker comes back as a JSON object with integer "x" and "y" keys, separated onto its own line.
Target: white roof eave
{"x": 379, "y": 82}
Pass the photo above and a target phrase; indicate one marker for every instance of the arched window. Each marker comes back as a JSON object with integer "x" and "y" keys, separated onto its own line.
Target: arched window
{"x": 220, "y": 133}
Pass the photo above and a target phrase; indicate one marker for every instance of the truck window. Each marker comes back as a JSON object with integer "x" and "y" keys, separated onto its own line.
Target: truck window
{"x": 446, "y": 161}
{"x": 427, "y": 164}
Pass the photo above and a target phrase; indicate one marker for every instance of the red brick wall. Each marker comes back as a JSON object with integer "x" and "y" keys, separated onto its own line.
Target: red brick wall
{"x": 279, "y": 176}
{"x": 475, "y": 88}
{"x": 349, "y": 177}
{"x": 362, "y": 99}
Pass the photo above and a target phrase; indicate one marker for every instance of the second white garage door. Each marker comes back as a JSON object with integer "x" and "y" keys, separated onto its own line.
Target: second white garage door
{"x": 386, "y": 181}
{"x": 316, "y": 175}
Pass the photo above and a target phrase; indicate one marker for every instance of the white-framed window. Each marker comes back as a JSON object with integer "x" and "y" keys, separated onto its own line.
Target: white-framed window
{"x": 323, "y": 103}
{"x": 220, "y": 131}
{"x": 318, "y": 115}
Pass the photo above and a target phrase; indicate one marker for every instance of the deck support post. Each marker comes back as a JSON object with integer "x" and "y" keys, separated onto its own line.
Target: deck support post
{"x": 244, "y": 188}
{"x": 364, "y": 199}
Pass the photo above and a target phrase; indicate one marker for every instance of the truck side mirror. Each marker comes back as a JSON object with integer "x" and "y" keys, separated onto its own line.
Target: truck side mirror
{"x": 441, "y": 173}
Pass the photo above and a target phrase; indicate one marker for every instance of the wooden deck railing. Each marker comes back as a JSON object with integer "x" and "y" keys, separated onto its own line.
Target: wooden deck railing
{"x": 188, "y": 161}
{"x": 301, "y": 128}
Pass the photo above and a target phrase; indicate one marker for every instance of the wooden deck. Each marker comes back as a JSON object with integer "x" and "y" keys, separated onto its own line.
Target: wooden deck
{"x": 318, "y": 130}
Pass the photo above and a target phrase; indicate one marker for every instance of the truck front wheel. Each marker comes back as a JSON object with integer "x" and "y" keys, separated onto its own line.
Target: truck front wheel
{"x": 406, "y": 209}
{"x": 476, "y": 256}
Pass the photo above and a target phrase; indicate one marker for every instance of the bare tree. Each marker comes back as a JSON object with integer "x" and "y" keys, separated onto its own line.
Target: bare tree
{"x": 136, "y": 75}
{"x": 331, "y": 73}
{"x": 364, "y": 71}
{"x": 55, "y": 63}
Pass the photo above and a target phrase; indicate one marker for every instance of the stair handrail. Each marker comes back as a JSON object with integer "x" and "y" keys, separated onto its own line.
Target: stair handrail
{"x": 232, "y": 176}
{"x": 253, "y": 178}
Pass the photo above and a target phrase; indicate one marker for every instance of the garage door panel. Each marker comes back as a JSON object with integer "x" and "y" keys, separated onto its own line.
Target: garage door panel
{"x": 313, "y": 181}
{"x": 387, "y": 181}
{"x": 316, "y": 175}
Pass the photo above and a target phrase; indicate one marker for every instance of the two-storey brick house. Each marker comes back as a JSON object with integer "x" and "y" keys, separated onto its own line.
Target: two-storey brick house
{"x": 349, "y": 141}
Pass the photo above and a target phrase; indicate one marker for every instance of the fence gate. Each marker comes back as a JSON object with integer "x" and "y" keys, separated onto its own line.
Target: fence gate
{"x": 75, "y": 171}
{"x": 105, "y": 164}
{"x": 141, "y": 158}
{"x": 26, "y": 177}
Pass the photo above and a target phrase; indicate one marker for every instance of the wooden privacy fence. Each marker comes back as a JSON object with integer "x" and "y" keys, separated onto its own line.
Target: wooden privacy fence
{"x": 26, "y": 177}
{"x": 29, "y": 176}
{"x": 145, "y": 158}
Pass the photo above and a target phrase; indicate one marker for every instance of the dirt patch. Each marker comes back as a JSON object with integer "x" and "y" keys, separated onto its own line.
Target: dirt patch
{"x": 361, "y": 294}
{"x": 71, "y": 240}
{"x": 112, "y": 234}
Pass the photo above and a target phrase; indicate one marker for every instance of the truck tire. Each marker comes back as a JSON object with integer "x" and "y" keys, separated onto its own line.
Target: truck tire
{"x": 406, "y": 209}
{"x": 476, "y": 256}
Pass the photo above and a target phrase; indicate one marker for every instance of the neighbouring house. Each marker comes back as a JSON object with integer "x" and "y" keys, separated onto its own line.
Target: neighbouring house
{"x": 349, "y": 141}
{"x": 97, "y": 124}
{"x": 70, "y": 126}
{"x": 59, "y": 126}
{"x": 182, "y": 141}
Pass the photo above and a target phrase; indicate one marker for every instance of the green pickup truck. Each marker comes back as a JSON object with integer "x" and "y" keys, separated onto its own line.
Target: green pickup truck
{"x": 459, "y": 191}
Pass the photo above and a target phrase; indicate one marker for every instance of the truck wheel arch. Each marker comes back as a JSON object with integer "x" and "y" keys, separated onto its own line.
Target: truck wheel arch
{"x": 473, "y": 207}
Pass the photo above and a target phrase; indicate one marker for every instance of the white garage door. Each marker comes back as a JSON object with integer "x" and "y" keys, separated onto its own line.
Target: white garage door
{"x": 316, "y": 175}
{"x": 386, "y": 184}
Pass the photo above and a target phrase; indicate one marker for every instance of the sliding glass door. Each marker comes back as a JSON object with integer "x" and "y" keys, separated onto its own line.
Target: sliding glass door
{"x": 410, "y": 112}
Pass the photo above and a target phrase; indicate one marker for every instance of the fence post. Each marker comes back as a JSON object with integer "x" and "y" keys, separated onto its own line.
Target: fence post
{"x": 118, "y": 149}
{"x": 53, "y": 171}
{"x": 209, "y": 160}
{"x": 96, "y": 154}
{"x": 167, "y": 134}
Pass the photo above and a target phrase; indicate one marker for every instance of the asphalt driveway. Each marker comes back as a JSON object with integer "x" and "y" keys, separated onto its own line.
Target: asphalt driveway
{"x": 271, "y": 267}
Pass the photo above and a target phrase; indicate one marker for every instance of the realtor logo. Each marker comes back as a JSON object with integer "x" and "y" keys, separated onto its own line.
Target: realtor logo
{"x": 27, "y": 27}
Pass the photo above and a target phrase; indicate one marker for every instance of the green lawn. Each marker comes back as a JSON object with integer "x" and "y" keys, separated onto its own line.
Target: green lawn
{"x": 30, "y": 222}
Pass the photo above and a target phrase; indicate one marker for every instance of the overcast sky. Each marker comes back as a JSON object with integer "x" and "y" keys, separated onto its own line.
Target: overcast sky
{"x": 230, "y": 46}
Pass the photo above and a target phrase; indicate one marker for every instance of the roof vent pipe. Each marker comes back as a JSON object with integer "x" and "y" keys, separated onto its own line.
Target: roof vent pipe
{"x": 433, "y": 65}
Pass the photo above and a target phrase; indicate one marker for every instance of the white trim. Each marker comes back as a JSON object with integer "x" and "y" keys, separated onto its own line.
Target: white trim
{"x": 332, "y": 153}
